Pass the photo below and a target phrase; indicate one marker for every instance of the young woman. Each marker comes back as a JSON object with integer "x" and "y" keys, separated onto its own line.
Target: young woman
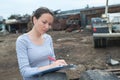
{"x": 34, "y": 49}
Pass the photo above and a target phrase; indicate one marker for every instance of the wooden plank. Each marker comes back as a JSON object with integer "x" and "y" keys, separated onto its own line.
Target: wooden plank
{"x": 112, "y": 70}
{"x": 117, "y": 73}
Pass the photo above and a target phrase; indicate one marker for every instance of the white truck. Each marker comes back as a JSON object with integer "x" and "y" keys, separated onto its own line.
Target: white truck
{"x": 105, "y": 28}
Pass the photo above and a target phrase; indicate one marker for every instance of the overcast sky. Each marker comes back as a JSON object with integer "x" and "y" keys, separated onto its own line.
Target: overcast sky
{"x": 9, "y": 7}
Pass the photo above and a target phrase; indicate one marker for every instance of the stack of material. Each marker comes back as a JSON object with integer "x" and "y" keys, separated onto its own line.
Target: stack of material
{"x": 115, "y": 71}
{"x": 98, "y": 75}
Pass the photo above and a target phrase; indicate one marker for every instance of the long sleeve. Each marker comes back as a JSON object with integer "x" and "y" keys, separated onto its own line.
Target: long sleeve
{"x": 52, "y": 48}
{"x": 23, "y": 61}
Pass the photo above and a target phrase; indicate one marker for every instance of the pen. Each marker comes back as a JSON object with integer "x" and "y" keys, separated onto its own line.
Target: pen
{"x": 51, "y": 58}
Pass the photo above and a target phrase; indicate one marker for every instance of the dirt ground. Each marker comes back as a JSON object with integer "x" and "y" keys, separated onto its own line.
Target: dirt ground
{"x": 75, "y": 47}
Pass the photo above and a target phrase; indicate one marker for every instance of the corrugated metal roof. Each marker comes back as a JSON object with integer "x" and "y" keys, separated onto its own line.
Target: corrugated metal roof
{"x": 69, "y": 12}
{"x": 11, "y": 21}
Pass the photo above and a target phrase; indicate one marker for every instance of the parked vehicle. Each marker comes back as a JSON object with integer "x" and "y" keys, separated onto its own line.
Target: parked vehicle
{"x": 105, "y": 28}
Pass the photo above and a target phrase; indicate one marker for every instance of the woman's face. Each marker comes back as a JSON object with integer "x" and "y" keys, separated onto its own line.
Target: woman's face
{"x": 43, "y": 23}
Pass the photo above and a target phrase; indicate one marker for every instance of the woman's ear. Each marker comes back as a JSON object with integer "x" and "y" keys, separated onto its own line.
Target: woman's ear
{"x": 34, "y": 20}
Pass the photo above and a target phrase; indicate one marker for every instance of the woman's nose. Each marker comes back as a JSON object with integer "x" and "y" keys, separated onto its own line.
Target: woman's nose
{"x": 47, "y": 26}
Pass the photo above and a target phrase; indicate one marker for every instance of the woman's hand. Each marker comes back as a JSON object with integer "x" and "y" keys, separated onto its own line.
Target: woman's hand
{"x": 57, "y": 63}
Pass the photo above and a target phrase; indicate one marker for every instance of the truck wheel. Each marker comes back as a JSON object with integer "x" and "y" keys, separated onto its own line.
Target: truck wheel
{"x": 104, "y": 42}
{"x": 96, "y": 43}
{"x": 98, "y": 75}
{"x": 100, "y": 43}
{"x": 54, "y": 76}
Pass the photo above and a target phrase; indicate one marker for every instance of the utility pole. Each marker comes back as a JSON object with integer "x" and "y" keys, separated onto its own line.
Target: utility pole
{"x": 106, "y": 8}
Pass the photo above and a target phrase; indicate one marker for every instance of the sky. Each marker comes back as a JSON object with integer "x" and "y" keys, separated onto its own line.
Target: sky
{"x": 22, "y": 7}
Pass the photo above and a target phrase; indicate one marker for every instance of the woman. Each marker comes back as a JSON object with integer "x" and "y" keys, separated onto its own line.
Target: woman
{"x": 35, "y": 48}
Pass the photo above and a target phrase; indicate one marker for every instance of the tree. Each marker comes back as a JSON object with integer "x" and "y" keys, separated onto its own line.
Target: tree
{"x": 14, "y": 16}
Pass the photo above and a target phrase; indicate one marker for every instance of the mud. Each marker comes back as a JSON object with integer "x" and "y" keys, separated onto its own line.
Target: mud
{"x": 75, "y": 47}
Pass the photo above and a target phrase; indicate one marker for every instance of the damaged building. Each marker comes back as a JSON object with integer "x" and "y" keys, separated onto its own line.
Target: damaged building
{"x": 79, "y": 18}
{"x": 67, "y": 20}
{"x": 17, "y": 25}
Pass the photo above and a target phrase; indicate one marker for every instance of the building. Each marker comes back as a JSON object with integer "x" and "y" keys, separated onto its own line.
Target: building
{"x": 65, "y": 19}
{"x": 17, "y": 25}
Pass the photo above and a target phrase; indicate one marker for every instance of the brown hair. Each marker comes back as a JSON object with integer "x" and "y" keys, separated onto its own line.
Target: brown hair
{"x": 41, "y": 11}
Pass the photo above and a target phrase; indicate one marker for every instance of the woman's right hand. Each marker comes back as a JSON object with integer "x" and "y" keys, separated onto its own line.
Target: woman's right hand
{"x": 58, "y": 63}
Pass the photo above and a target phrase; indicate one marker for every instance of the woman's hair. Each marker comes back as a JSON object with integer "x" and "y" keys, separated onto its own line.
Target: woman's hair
{"x": 41, "y": 11}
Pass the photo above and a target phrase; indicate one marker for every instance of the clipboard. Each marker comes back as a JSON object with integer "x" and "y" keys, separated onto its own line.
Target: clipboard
{"x": 54, "y": 69}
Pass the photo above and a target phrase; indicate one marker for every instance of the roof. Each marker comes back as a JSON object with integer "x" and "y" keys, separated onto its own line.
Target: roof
{"x": 86, "y": 9}
{"x": 69, "y": 12}
{"x": 10, "y": 21}
{"x": 16, "y": 21}
{"x": 77, "y": 11}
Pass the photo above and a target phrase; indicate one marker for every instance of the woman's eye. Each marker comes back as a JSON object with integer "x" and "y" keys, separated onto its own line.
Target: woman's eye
{"x": 50, "y": 24}
{"x": 44, "y": 22}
